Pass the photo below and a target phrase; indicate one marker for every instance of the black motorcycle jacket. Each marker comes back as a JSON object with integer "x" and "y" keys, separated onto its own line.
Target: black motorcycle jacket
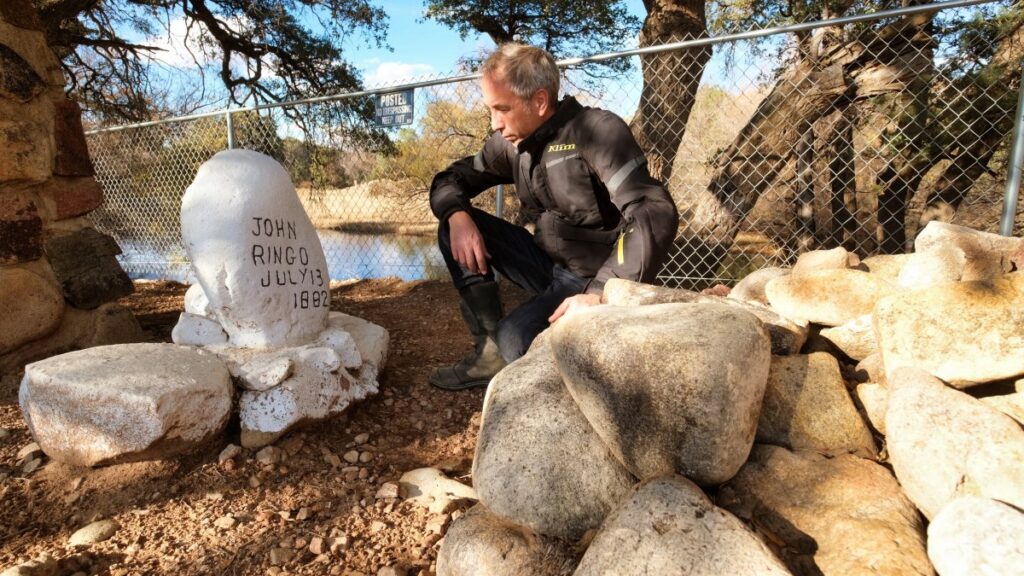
{"x": 583, "y": 180}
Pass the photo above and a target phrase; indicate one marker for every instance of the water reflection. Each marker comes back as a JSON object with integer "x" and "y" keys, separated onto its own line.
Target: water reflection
{"x": 348, "y": 256}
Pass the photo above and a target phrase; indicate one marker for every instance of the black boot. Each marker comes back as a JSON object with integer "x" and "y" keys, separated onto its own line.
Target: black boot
{"x": 481, "y": 309}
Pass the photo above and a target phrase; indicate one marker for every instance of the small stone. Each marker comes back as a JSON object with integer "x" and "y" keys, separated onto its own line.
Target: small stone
{"x": 392, "y": 571}
{"x": 363, "y": 473}
{"x": 229, "y": 453}
{"x": 352, "y": 456}
{"x": 337, "y": 543}
{"x": 332, "y": 459}
{"x": 269, "y": 456}
{"x": 225, "y": 522}
{"x": 300, "y": 543}
{"x": 31, "y": 466}
{"x": 254, "y": 482}
{"x": 377, "y": 526}
{"x": 273, "y": 571}
{"x": 437, "y": 524}
{"x": 96, "y": 532}
{"x": 387, "y": 490}
{"x": 303, "y": 514}
{"x": 362, "y": 438}
{"x": 279, "y": 556}
{"x": 317, "y": 546}
{"x": 29, "y": 451}
{"x": 365, "y": 457}
{"x": 351, "y": 473}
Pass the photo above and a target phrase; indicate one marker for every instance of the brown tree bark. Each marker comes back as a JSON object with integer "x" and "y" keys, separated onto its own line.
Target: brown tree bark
{"x": 670, "y": 80}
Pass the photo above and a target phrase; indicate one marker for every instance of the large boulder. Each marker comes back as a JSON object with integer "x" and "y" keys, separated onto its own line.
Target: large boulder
{"x": 806, "y": 407}
{"x": 668, "y": 387}
{"x": 30, "y": 305}
{"x": 837, "y": 258}
{"x": 886, "y": 266}
{"x": 125, "y": 402}
{"x": 944, "y": 444}
{"x": 255, "y": 252}
{"x": 669, "y": 527}
{"x": 973, "y": 535}
{"x": 787, "y": 336}
{"x": 829, "y": 297}
{"x": 964, "y": 333}
{"x": 751, "y": 288}
{"x": 874, "y": 398}
{"x": 855, "y": 338}
{"x": 538, "y": 462}
{"x": 841, "y": 516}
{"x": 940, "y": 265}
{"x": 482, "y": 544}
{"x": 986, "y": 255}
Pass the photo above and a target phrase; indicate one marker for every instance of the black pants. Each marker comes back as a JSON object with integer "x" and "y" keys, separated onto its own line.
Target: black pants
{"x": 514, "y": 254}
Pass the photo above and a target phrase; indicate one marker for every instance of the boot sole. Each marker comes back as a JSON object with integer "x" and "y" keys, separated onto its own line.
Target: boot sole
{"x": 456, "y": 386}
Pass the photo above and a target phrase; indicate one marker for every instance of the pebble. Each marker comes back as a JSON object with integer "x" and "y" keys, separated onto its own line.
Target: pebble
{"x": 43, "y": 565}
{"x": 332, "y": 459}
{"x": 254, "y": 482}
{"x": 392, "y": 571}
{"x": 303, "y": 514}
{"x": 225, "y": 522}
{"x": 362, "y": 438}
{"x": 387, "y": 490}
{"x": 300, "y": 543}
{"x": 366, "y": 457}
{"x": 269, "y": 455}
{"x": 96, "y": 532}
{"x": 31, "y": 466}
{"x": 352, "y": 456}
{"x": 337, "y": 544}
{"x": 281, "y": 556}
{"x": 377, "y": 526}
{"x": 316, "y": 545}
{"x": 29, "y": 451}
{"x": 292, "y": 445}
{"x": 229, "y": 453}
{"x": 363, "y": 473}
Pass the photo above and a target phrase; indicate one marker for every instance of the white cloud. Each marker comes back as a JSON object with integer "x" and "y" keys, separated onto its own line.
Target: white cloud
{"x": 179, "y": 48}
{"x": 391, "y": 73}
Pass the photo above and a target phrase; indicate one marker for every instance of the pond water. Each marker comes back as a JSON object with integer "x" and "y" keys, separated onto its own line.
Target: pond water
{"x": 348, "y": 256}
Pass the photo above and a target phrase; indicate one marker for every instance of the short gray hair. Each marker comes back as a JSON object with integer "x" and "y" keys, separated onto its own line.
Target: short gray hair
{"x": 524, "y": 69}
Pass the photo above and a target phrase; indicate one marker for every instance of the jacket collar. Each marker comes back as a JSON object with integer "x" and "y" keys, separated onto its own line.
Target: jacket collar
{"x": 567, "y": 109}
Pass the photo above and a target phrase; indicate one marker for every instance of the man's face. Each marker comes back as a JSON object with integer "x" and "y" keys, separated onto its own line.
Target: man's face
{"x": 515, "y": 117}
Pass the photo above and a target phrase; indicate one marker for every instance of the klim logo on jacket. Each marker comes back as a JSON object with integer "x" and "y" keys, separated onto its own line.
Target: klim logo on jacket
{"x": 561, "y": 147}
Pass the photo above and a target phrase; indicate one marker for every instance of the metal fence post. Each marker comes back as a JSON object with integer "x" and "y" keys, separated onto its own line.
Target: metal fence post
{"x": 231, "y": 130}
{"x": 1016, "y": 159}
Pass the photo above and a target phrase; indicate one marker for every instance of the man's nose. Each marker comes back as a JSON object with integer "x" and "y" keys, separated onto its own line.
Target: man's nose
{"x": 496, "y": 123}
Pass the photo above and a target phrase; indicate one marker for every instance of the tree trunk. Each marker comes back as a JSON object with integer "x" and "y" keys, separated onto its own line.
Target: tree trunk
{"x": 884, "y": 63}
{"x": 670, "y": 80}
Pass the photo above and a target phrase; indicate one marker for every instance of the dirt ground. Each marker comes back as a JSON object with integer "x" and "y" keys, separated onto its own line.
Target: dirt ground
{"x": 308, "y": 514}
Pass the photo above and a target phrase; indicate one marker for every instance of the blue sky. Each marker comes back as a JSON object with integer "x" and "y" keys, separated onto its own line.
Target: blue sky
{"x": 422, "y": 48}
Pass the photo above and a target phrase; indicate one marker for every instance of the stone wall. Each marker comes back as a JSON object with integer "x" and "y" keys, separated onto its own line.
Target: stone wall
{"x": 58, "y": 276}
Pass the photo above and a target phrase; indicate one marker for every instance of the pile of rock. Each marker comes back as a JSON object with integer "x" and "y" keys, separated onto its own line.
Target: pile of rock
{"x": 680, "y": 433}
{"x": 259, "y": 317}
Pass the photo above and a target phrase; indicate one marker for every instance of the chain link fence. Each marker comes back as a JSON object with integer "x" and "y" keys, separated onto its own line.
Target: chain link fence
{"x": 851, "y": 132}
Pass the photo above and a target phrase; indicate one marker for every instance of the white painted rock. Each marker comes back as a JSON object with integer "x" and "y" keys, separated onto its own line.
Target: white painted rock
{"x": 855, "y": 338}
{"x": 1010, "y": 404}
{"x": 973, "y": 535}
{"x": 668, "y": 387}
{"x": 196, "y": 301}
{"x": 837, "y": 258}
{"x": 482, "y": 544}
{"x": 319, "y": 388}
{"x": 668, "y": 527}
{"x": 751, "y": 288}
{"x": 964, "y": 333}
{"x": 944, "y": 444}
{"x": 841, "y": 516}
{"x": 806, "y": 407}
{"x": 255, "y": 252}
{"x": 829, "y": 297}
{"x": 195, "y": 330}
{"x": 941, "y": 264}
{"x": 522, "y": 469}
{"x": 125, "y": 402}
{"x": 986, "y": 255}
{"x": 370, "y": 339}
{"x": 787, "y": 336}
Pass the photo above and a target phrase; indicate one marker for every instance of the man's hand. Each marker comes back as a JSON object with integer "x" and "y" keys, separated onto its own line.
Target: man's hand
{"x": 467, "y": 244}
{"x": 574, "y": 303}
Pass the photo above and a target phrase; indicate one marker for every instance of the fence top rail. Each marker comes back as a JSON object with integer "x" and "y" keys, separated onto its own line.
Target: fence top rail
{"x": 699, "y": 42}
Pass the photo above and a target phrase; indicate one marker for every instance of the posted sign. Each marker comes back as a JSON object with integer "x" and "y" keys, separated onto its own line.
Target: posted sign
{"x": 394, "y": 108}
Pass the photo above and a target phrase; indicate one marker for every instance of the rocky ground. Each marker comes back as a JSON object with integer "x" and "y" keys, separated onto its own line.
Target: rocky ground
{"x": 311, "y": 507}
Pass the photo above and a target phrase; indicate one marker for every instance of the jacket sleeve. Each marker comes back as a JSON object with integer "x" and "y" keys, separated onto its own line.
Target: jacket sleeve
{"x": 650, "y": 217}
{"x": 464, "y": 179}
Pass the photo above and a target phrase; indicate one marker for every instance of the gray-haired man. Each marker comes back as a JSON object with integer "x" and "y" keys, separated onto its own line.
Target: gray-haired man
{"x": 580, "y": 176}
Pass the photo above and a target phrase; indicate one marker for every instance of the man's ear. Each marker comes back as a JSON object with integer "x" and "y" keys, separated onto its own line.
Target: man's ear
{"x": 542, "y": 102}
